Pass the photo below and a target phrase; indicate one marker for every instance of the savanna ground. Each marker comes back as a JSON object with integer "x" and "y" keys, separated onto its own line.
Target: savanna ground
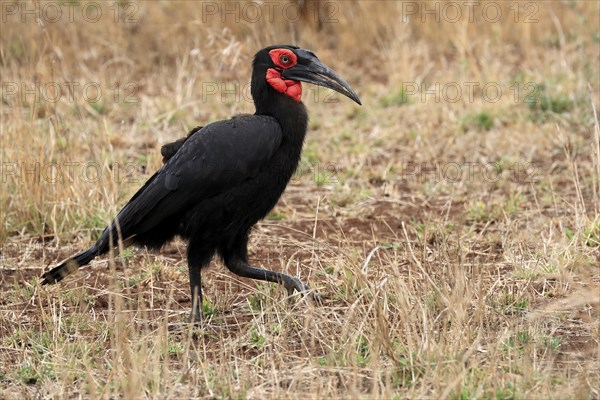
{"x": 451, "y": 223}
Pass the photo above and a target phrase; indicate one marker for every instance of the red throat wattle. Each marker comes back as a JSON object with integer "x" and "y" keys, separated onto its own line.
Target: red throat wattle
{"x": 287, "y": 86}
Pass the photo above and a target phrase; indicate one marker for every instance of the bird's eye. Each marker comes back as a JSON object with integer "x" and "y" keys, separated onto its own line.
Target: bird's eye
{"x": 282, "y": 58}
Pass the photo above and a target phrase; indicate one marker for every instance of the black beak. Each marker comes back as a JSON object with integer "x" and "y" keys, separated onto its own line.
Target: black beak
{"x": 310, "y": 69}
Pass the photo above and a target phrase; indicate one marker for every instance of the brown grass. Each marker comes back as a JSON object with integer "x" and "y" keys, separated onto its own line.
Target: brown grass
{"x": 456, "y": 242}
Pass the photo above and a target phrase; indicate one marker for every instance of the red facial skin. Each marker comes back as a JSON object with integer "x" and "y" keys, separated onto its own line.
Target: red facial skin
{"x": 284, "y": 58}
{"x": 279, "y": 58}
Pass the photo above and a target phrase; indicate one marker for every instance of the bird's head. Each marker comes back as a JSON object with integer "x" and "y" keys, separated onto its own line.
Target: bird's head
{"x": 283, "y": 67}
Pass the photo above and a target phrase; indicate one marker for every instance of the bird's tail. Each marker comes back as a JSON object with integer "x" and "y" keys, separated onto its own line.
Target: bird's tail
{"x": 69, "y": 266}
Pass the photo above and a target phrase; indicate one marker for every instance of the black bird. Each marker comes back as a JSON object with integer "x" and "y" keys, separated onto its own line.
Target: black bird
{"x": 224, "y": 177}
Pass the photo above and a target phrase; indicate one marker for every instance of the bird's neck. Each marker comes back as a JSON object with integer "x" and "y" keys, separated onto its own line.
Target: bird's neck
{"x": 291, "y": 115}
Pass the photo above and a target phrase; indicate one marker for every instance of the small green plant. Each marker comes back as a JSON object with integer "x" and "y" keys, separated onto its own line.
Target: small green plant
{"x": 175, "y": 348}
{"x": 255, "y": 301}
{"x": 544, "y": 105}
{"x": 553, "y": 343}
{"x": 500, "y": 165}
{"x": 155, "y": 269}
{"x": 591, "y": 235}
{"x": 521, "y": 306}
{"x": 550, "y": 104}
{"x": 478, "y": 212}
{"x": 518, "y": 341}
{"x": 126, "y": 254}
{"x": 406, "y": 372}
{"x": 390, "y": 246}
{"x": 28, "y": 375}
{"x": 481, "y": 121}
{"x": 208, "y": 308}
{"x": 506, "y": 393}
{"x": 509, "y": 305}
{"x": 98, "y": 106}
{"x": 322, "y": 178}
{"x": 419, "y": 227}
{"x": 569, "y": 234}
{"x": 395, "y": 99}
{"x": 362, "y": 353}
{"x": 465, "y": 393}
{"x": 256, "y": 339}
{"x": 512, "y": 206}
{"x": 275, "y": 216}
{"x": 137, "y": 278}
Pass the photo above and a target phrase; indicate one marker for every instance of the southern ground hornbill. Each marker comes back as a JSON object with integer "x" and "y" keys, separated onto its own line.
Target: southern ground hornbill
{"x": 224, "y": 177}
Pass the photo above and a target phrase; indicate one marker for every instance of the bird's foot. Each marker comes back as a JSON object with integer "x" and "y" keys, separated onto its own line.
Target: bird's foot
{"x": 196, "y": 321}
{"x": 296, "y": 285}
{"x": 197, "y": 329}
{"x": 195, "y": 318}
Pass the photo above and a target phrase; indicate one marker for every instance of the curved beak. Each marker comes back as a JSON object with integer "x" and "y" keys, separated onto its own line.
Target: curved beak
{"x": 310, "y": 69}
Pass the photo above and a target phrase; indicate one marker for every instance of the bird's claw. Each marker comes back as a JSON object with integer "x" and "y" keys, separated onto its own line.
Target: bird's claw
{"x": 295, "y": 284}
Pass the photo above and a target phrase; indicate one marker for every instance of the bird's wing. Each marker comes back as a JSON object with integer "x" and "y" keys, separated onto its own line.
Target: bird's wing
{"x": 213, "y": 160}
{"x": 168, "y": 150}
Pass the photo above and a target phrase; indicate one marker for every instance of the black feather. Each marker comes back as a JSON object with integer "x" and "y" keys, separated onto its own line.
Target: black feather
{"x": 69, "y": 266}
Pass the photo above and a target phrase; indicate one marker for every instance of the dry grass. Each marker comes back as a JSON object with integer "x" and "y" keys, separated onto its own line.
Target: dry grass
{"x": 437, "y": 285}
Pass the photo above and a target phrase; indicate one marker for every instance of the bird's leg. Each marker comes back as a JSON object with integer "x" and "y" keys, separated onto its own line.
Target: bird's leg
{"x": 235, "y": 257}
{"x": 198, "y": 256}
{"x": 196, "y": 290}
{"x": 239, "y": 266}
